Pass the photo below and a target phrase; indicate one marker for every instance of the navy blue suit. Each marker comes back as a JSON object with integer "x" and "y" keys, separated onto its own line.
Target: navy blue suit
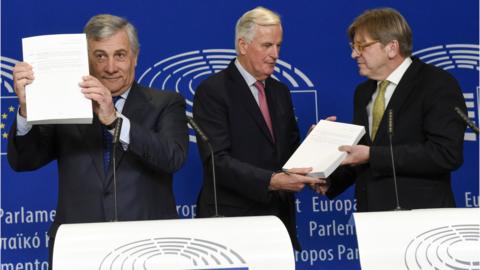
{"x": 245, "y": 153}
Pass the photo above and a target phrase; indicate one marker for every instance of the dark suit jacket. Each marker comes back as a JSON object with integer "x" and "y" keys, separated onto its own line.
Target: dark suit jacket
{"x": 245, "y": 154}
{"x": 427, "y": 143}
{"x": 158, "y": 147}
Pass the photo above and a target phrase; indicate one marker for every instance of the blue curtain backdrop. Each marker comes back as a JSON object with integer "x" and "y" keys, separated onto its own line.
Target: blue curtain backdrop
{"x": 183, "y": 42}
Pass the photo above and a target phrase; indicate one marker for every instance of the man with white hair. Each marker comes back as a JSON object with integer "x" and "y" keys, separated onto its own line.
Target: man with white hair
{"x": 249, "y": 119}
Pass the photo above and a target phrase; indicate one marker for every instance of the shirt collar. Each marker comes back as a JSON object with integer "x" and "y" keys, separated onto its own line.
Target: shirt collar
{"x": 125, "y": 94}
{"x": 249, "y": 79}
{"x": 397, "y": 74}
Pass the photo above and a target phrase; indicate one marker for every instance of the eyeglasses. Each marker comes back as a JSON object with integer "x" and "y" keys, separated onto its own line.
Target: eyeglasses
{"x": 358, "y": 48}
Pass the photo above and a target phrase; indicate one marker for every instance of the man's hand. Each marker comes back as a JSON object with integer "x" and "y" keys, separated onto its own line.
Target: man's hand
{"x": 321, "y": 188}
{"x": 357, "y": 154}
{"x": 332, "y": 118}
{"x": 293, "y": 180}
{"x": 103, "y": 106}
{"x": 22, "y": 76}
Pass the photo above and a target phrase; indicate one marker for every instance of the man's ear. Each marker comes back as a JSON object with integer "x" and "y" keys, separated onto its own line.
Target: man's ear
{"x": 393, "y": 49}
{"x": 136, "y": 58}
{"x": 242, "y": 46}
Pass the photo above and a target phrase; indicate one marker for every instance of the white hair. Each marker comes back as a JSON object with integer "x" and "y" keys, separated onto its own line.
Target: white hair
{"x": 245, "y": 27}
{"x": 105, "y": 25}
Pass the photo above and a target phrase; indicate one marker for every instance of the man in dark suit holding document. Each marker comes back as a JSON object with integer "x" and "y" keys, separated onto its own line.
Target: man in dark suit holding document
{"x": 153, "y": 137}
{"x": 427, "y": 133}
{"x": 249, "y": 119}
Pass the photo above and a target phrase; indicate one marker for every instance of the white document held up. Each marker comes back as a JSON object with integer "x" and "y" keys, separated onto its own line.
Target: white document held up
{"x": 320, "y": 149}
{"x": 59, "y": 62}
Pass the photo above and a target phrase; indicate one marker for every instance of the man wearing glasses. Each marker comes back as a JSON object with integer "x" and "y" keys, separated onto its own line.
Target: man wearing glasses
{"x": 428, "y": 135}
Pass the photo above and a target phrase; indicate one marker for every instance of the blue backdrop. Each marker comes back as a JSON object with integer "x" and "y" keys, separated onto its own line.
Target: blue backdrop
{"x": 183, "y": 42}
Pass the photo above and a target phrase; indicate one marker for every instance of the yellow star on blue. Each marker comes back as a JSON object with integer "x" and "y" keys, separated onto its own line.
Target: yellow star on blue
{"x": 4, "y": 116}
{"x": 2, "y": 125}
{"x": 11, "y": 109}
{"x": 5, "y": 135}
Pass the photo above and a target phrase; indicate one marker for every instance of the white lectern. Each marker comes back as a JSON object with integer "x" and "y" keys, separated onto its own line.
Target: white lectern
{"x": 419, "y": 239}
{"x": 210, "y": 243}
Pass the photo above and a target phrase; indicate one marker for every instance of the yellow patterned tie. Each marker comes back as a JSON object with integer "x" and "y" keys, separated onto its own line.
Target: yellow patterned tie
{"x": 378, "y": 107}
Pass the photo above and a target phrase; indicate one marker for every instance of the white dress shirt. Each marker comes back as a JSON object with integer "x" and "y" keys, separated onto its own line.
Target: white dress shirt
{"x": 249, "y": 79}
{"x": 394, "y": 79}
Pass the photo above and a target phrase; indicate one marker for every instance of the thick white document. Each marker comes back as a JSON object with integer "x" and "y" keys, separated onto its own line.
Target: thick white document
{"x": 59, "y": 62}
{"x": 320, "y": 149}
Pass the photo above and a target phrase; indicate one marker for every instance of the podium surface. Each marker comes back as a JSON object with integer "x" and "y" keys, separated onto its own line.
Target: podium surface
{"x": 419, "y": 239}
{"x": 237, "y": 243}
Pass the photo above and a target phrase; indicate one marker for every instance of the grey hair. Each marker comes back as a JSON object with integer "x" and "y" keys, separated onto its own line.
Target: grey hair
{"x": 385, "y": 25}
{"x": 245, "y": 27}
{"x": 105, "y": 25}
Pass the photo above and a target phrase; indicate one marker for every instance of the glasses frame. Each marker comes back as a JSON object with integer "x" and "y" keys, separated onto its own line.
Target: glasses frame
{"x": 359, "y": 48}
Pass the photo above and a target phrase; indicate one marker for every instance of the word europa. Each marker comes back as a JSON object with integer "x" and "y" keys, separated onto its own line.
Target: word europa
{"x": 27, "y": 216}
{"x": 324, "y": 205}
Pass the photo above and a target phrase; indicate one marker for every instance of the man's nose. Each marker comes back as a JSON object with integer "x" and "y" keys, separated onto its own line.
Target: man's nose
{"x": 111, "y": 66}
{"x": 275, "y": 52}
{"x": 354, "y": 54}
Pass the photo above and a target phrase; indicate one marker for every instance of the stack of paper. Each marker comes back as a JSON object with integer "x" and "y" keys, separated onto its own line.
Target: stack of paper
{"x": 59, "y": 62}
{"x": 320, "y": 149}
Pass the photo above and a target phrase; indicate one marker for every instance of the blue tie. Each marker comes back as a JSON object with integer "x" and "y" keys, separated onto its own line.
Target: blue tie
{"x": 107, "y": 142}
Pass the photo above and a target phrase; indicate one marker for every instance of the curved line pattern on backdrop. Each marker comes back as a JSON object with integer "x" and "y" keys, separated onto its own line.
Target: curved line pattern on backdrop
{"x": 451, "y": 56}
{"x": 183, "y": 72}
{"x": 6, "y": 79}
{"x": 457, "y": 56}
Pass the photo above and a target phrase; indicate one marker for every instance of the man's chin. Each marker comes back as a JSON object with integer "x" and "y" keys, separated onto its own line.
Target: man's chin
{"x": 363, "y": 72}
{"x": 269, "y": 72}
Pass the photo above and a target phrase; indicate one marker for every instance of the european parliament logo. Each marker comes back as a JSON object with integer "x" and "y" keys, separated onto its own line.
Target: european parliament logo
{"x": 9, "y": 99}
{"x": 183, "y": 72}
{"x": 463, "y": 61}
{"x": 183, "y": 252}
{"x": 443, "y": 248}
